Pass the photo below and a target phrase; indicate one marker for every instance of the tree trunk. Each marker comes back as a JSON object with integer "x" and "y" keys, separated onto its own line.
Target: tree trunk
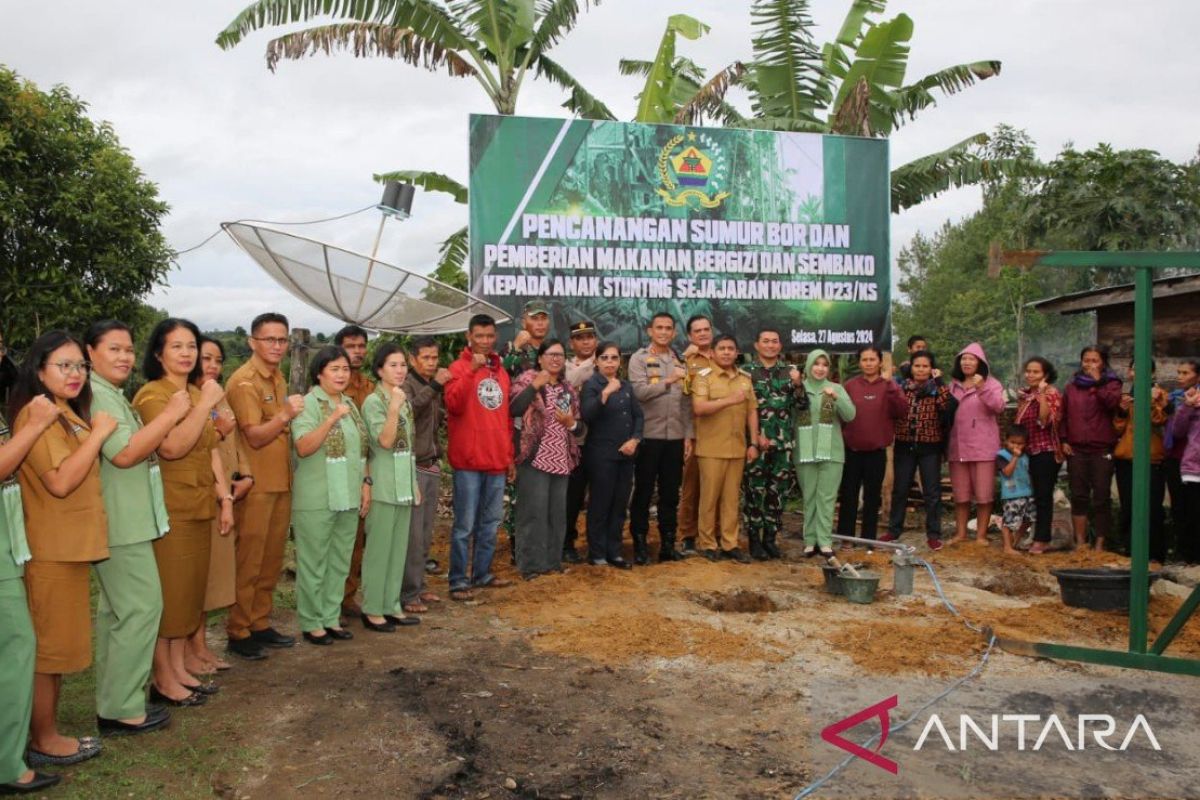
{"x": 298, "y": 353}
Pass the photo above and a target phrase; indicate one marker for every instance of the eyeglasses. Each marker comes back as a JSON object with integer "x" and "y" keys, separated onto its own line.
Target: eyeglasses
{"x": 555, "y": 355}
{"x": 271, "y": 341}
{"x": 609, "y": 357}
{"x": 73, "y": 367}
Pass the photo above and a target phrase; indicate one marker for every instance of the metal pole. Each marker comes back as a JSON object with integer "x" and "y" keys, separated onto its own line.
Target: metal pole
{"x": 370, "y": 267}
{"x": 1143, "y": 338}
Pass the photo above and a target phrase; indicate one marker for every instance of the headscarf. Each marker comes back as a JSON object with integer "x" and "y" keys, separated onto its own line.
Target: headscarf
{"x": 816, "y": 444}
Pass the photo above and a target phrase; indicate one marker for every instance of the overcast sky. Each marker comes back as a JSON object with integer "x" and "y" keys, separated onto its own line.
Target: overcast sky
{"x": 226, "y": 139}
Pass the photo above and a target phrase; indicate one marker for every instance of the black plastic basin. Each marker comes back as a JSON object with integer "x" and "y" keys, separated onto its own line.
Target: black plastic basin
{"x": 1099, "y": 589}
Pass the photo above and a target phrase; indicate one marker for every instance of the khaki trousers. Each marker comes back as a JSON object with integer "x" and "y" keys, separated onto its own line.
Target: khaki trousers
{"x": 262, "y": 528}
{"x": 720, "y": 490}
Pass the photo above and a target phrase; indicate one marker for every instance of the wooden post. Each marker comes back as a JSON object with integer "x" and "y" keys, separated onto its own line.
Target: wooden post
{"x": 298, "y": 352}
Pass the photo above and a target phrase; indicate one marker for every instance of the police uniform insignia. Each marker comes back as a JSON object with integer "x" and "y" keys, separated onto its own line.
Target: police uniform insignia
{"x": 704, "y": 372}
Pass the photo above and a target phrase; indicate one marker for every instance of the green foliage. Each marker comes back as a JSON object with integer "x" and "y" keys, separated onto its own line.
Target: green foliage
{"x": 1100, "y": 199}
{"x": 79, "y": 223}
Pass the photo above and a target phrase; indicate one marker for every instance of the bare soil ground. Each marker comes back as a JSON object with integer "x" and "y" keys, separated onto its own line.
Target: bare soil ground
{"x": 689, "y": 680}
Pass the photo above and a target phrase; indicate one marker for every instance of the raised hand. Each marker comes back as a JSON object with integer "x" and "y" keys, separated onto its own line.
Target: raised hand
{"x": 691, "y": 351}
{"x": 442, "y": 376}
{"x": 541, "y": 379}
{"x": 398, "y": 397}
{"x": 677, "y": 374}
{"x": 796, "y": 375}
{"x": 522, "y": 339}
{"x": 829, "y": 391}
{"x": 103, "y": 424}
{"x": 224, "y": 423}
{"x": 179, "y": 405}
{"x": 1192, "y": 397}
{"x": 478, "y": 361}
{"x": 42, "y": 412}
{"x": 936, "y": 373}
{"x": 613, "y": 386}
{"x": 295, "y": 405}
{"x": 211, "y": 393}
{"x": 342, "y": 409}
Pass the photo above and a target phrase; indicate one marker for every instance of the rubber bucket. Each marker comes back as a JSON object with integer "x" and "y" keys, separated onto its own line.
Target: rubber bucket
{"x": 860, "y": 589}
{"x": 1097, "y": 589}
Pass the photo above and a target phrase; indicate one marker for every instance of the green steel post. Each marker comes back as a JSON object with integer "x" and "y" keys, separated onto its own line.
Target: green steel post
{"x": 1143, "y": 338}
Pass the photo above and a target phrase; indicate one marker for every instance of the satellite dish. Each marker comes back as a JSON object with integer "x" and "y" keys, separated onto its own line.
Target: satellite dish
{"x": 358, "y": 288}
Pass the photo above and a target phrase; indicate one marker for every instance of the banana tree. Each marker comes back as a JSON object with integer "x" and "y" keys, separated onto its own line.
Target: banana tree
{"x": 855, "y": 85}
{"x": 498, "y": 43}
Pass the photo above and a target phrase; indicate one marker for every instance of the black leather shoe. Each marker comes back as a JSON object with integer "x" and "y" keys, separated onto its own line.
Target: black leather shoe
{"x": 689, "y": 548}
{"x": 207, "y": 687}
{"x": 670, "y": 555}
{"x": 711, "y": 555}
{"x": 269, "y": 637}
{"x": 571, "y": 556}
{"x": 193, "y": 699}
{"x": 339, "y": 633}
{"x": 246, "y": 648}
{"x": 737, "y": 555}
{"x": 402, "y": 620}
{"x": 40, "y": 781}
{"x": 619, "y": 563}
{"x": 378, "y": 627}
{"x": 114, "y": 727}
{"x": 89, "y": 747}
{"x": 771, "y": 549}
{"x": 322, "y": 639}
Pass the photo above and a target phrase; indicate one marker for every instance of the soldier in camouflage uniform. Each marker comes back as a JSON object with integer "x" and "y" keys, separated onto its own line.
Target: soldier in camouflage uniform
{"x": 518, "y": 356}
{"x": 769, "y": 479}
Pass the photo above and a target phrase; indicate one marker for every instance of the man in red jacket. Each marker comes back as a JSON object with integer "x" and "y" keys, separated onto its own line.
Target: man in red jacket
{"x": 481, "y": 452}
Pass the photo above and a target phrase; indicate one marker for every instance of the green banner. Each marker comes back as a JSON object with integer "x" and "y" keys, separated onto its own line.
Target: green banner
{"x": 614, "y": 222}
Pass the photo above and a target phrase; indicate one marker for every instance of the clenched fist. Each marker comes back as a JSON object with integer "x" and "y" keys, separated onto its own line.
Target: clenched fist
{"x": 179, "y": 405}
{"x": 42, "y": 412}
{"x": 295, "y": 405}
{"x": 211, "y": 393}
{"x": 103, "y": 424}
{"x": 398, "y": 397}
{"x": 342, "y": 410}
{"x": 443, "y": 376}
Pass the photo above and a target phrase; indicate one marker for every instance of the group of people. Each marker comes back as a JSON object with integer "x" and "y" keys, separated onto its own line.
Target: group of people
{"x": 182, "y": 499}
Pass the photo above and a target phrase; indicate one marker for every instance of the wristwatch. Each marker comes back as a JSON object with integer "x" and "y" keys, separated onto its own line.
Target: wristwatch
{"x": 368, "y": 481}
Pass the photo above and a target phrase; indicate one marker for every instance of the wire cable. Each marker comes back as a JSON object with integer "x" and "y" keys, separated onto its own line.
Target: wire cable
{"x": 817, "y": 784}
{"x": 176, "y": 253}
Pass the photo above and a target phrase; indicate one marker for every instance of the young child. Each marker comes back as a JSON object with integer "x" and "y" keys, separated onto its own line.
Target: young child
{"x": 1016, "y": 490}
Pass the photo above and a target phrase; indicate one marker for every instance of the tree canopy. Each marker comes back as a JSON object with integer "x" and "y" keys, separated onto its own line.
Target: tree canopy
{"x": 79, "y": 222}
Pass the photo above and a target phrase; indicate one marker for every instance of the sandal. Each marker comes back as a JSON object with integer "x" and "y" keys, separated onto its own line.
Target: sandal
{"x": 415, "y": 608}
{"x": 810, "y": 551}
{"x": 461, "y": 594}
{"x": 430, "y": 597}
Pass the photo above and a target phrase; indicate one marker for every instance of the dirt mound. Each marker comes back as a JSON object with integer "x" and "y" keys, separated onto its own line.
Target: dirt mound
{"x": 742, "y": 601}
{"x": 891, "y": 643}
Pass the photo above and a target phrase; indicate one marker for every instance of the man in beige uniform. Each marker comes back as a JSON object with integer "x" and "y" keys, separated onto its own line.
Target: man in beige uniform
{"x": 726, "y": 409}
{"x": 697, "y": 357}
{"x": 353, "y": 340}
{"x": 257, "y": 393}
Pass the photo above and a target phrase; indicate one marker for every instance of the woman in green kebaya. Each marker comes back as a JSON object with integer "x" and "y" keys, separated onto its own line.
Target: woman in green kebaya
{"x": 393, "y": 471}
{"x": 130, "y": 602}
{"x": 331, "y": 490}
{"x": 16, "y": 630}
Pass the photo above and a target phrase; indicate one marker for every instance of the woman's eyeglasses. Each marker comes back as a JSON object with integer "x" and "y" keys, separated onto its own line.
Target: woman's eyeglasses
{"x": 73, "y": 367}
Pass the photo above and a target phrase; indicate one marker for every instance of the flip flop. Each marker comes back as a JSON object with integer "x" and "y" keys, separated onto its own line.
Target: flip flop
{"x": 461, "y": 594}
{"x": 430, "y": 597}
{"x": 415, "y": 608}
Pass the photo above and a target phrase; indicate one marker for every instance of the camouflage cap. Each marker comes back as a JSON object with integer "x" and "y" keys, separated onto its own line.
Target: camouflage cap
{"x": 535, "y": 307}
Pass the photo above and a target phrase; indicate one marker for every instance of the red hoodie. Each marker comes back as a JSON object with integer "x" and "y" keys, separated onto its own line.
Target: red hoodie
{"x": 480, "y": 429}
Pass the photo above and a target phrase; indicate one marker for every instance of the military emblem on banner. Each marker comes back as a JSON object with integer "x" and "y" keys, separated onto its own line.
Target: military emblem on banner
{"x": 693, "y": 171}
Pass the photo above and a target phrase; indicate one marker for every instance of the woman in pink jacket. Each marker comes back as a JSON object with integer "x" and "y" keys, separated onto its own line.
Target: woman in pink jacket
{"x": 974, "y": 440}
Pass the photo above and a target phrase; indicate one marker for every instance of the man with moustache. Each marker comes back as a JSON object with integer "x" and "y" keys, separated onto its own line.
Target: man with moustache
{"x": 264, "y": 412}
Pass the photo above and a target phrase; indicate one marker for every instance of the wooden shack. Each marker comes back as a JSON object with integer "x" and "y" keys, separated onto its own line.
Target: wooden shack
{"x": 1176, "y": 320}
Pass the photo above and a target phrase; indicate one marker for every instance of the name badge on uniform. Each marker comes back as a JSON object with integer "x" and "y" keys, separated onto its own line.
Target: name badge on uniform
{"x": 704, "y": 372}
{"x": 269, "y": 398}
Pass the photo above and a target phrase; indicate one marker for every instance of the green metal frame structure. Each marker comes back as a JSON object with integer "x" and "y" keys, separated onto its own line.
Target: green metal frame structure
{"x": 1140, "y": 655}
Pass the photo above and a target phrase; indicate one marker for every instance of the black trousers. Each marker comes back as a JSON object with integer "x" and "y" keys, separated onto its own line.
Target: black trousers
{"x": 1158, "y": 486}
{"x": 863, "y": 470}
{"x": 1043, "y": 474}
{"x": 659, "y": 464}
{"x": 610, "y": 483}
{"x": 577, "y": 486}
{"x": 907, "y": 460}
{"x": 1187, "y": 528}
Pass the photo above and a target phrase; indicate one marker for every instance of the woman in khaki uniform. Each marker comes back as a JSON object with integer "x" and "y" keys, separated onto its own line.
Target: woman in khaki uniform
{"x": 235, "y": 466}
{"x": 193, "y": 480}
{"x": 16, "y": 631}
{"x": 67, "y": 531}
